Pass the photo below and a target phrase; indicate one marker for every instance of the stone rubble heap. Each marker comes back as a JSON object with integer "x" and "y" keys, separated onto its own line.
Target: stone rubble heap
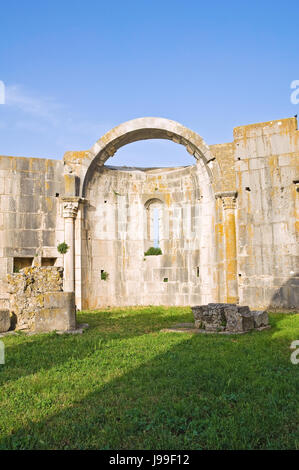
{"x": 37, "y": 300}
{"x": 230, "y": 318}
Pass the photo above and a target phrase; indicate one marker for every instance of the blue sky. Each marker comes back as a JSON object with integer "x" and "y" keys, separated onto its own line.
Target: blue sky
{"x": 75, "y": 69}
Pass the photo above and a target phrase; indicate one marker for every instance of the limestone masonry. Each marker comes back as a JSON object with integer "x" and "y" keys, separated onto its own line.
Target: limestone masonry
{"x": 227, "y": 226}
{"x": 37, "y": 302}
{"x": 229, "y": 318}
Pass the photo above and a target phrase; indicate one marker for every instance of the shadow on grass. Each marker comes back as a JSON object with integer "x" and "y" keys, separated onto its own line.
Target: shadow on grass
{"x": 205, "y": 392}
{"x": 44, "y": 351}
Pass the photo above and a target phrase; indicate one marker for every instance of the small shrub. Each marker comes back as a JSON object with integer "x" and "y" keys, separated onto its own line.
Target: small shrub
{"x": 153, "y": 251}
{"x": 104, "y": 275}
{"x": 62, "y": 248}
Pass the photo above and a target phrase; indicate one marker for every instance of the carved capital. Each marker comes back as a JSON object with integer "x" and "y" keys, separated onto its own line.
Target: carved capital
{"x": 229, "y": 202}
{"x": 70, "y": 209}
{"x": 70, "y": 206}
{"x": 228, "y": 198}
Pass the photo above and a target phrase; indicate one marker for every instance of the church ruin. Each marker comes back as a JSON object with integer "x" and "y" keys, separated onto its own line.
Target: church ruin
{"x": 227, "y": 226}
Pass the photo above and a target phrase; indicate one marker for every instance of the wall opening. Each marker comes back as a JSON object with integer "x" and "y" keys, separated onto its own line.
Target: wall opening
{"x": 48, "y": 261}
{"x": 20, "y": 263}
{"x": 155, "y": 203}
{"x": 156, "y": 153}
{"x": 156, "y": 228}
{"x": 153, "y": 232}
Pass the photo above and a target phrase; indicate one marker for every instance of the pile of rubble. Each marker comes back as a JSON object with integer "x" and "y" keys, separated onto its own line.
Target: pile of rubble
{"x": 229, "y": 318}
{"x": 37, "y": 301}
{"x": 27, "y": 289}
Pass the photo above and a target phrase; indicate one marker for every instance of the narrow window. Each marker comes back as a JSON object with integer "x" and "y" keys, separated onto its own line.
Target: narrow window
{"x": 156, "y": 228}
{"x": 197, "y": 271}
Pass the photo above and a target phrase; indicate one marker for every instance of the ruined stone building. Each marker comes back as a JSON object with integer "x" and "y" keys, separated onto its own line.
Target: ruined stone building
{"x": 227, "y": 226}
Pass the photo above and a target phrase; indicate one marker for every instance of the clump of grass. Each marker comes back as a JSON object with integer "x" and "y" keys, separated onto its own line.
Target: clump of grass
{"x": 153, "y": 251}
{"x": 62, "y": 248}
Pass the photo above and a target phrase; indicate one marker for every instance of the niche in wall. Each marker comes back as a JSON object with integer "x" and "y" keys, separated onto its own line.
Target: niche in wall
{"x": 20, "y": 263}
{"x": 48, "y": 261}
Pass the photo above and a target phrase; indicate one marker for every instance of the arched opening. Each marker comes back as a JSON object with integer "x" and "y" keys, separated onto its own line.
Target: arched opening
{"x": 145, "y": 129}
{"x": 128, "y": 209}
{"x": 152, "y": 153}
{"x": 155, "y": 224}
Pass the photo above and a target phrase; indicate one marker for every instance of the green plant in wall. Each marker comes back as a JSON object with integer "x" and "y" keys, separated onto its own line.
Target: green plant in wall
{"x": 62, "y": 248}
{"x": 104, "y": 275}
{"x": 153, "y": 251}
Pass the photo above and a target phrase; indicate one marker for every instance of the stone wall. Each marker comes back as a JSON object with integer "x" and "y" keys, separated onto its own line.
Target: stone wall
{"x": 241, "y": 196}
{"x": 118, "y": 223}
{"x": 267, "y": 175}
{"x": 30, "y": 221}
{"x": 37, "y": 300}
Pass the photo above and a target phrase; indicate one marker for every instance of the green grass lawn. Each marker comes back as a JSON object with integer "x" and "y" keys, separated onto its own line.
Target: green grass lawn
{"x": 123, "y": 384}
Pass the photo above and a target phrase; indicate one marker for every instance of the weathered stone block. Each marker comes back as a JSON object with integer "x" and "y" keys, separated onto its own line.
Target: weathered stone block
{"x": 238, "y": 318}
{"x": 244, "y": 322}
{"x": 260, "y": 318}
{"x": 231, "y": 312}
{"x": 70, "y": 185}
{"x": 4, "y": 321}
{"x": 210, "y": 317}
{"x": 61, "y": 318}
{"x": 58, "y": 299}
{"x": 224, "y": 317}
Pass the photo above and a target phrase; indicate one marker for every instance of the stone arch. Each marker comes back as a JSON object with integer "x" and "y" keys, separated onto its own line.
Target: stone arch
{"x": 205, "y": 177}
{"x": 152, "y": 200}
{"x": 144, "y": 129}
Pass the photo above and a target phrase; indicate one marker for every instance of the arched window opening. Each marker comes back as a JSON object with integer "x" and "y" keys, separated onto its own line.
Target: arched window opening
{"x": 156, "y": 228}
{"x": 154, "y": 224}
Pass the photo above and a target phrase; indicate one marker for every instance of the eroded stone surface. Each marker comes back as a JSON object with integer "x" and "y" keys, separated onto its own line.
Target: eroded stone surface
{"x": 37, "y": 301}
{"x": 210, "y": 317}
{"x": 228, "y": 317}
{"x": 58, "y": 312}
{"x": 4, "y": 321}
{"x": 260, "y": 318}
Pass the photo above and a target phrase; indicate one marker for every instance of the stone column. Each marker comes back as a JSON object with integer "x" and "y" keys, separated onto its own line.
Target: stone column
{"x": 70, "y": 209}
{"x": 229, "y": 205}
